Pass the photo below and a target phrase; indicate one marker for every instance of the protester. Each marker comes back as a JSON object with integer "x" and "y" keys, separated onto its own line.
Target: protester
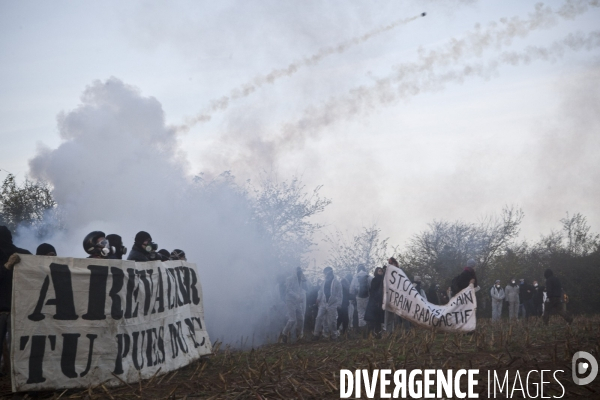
{"x": 9, "y": 257}
{"x": 432, "y": 295}
{"x": 295, "y": 301}
{"x": 525, "y": 299}
{"x": 351, "y": 304}
{"x": 117, "y": 242}
{"x": 45, "y": 249}
{"x": 144, "y": 249}
{"x": 164, "y": 255}
{"x": 498, "y": 295}
{"x": 96, "y": 245}
{"x": 538, "y": 299}
{"x": 360, "y": 287}
{"x": 178, "y": 254}
{"x": 466, "y": 277}
{"x": 553, "y": 302}
{"x": 343, "y": 319}
{"x": 329, "y": 299}
{"x": 512, "y": 297}
{"x": 374, "y": 314}
{"x": 417, "y": 285}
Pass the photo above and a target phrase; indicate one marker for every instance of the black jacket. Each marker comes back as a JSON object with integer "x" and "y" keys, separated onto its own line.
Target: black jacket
{"x": 462, "y": 281}
{"x": 374, "y": 313}
{"x": 538, "y": 295}
{"x": 137, "y": 253}
{"x": 7, "y": 249}
{"x": 525, "y": 292}
{"x": 553, "y": 286}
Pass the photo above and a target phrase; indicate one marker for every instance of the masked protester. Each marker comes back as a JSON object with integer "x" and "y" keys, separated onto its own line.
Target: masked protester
{"x": 329, "y": 299}
{"x": 178, "y": 254}
{"x": 511, "y": 292}
{"x": 97, "y": 246}
{"x": 554, "y": 301}
{"x": 417, "y": 283}
{"x": 360, "y": 288}
{"x": 432, "y": 295}
{"x": 374, "y": 314}
{"x": 295, "y": 302}
{"x": 538, "y": 299}
{"x": 45, "y": 249}
{"x": 164, "y": 255}
{"x": 116, "y": 242}
{"x": 144, "y": 249}
{"x": 9, "y": 257}
{"x": 498, "y": 296}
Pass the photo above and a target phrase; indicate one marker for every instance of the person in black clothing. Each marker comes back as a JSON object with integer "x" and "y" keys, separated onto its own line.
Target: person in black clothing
{"x": 374, "y": 314}
{"x": 97, "y": 246}
{"x": 526, "y": 297}
{"x": 9, "y": 256}
{"x": 553, "y": 303}
{"x": 538, "y": 299}
{"x": 343, "y": 319}
{"x": 466, "y": 277}
{"x": 432, "y": 295}
{"x": 144, "y": 249}
{"x": 45, "y": 249}
{"x": 178, "y": 254}
{"x": 116, "y": 242}
{"x": 164, "y": 254}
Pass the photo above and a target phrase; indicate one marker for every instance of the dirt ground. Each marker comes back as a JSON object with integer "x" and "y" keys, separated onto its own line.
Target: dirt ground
{"x": 310, "y": 370}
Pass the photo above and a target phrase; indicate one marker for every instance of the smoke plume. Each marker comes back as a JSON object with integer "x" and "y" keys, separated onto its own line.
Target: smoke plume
{"x": 118, "y": 170}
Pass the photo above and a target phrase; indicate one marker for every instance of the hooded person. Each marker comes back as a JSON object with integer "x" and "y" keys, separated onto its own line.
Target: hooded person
{"x": 418, "y": 285}
{"x": 97, "y": 246}
{"x": 432, "y": 294}
{"x": 360, "y": 288}
{"x": 164, "y": 254}
{"x": 178, "y": 254}
{"x": 295, "y": 302}
{"x": 9, "y": 257}
{"x": 116, "y": 242}
{"x": 329, "y": 299}
{"x": 143, "y": 249}
{"x": 525, "y": 299}
{"x": 553, "y": 303}
{"x": 375, "y": 315}
{"x": 511, "y": 292}
{"x": 498, "y": 295}
{"x": 45, "y": 249}
{"x": 466, "y": 277}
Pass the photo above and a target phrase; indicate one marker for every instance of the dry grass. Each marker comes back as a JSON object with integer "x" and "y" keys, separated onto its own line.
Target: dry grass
{"x": 310, "y": 370}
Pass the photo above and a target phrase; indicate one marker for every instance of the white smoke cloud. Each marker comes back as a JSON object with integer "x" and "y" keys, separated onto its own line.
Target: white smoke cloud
{"x": 118, "y": 170}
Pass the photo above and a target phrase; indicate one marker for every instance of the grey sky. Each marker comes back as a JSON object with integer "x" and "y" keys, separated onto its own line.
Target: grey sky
{"x": 526, "y": 135}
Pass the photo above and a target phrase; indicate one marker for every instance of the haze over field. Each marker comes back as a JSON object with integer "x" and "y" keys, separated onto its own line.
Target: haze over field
{"x": 402, "y": 118}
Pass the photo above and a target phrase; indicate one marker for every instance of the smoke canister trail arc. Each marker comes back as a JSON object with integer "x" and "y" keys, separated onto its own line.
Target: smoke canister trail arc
{"x": 248, "y": 88}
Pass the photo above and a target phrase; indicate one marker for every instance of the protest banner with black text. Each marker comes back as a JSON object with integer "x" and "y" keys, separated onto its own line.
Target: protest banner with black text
{"x": 81, "y": 322}
{"x": 402, "y": 298}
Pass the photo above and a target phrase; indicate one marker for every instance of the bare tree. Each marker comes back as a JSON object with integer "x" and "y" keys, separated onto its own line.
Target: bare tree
{"x": 577, "y": 234}
{"x": 282, "y": 210}
{"x": 346, "y": 253}
{"x": 24, "y": 205}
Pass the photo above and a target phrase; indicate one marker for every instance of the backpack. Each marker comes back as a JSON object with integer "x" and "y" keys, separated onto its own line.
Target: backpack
{"x": 363, "y": 288}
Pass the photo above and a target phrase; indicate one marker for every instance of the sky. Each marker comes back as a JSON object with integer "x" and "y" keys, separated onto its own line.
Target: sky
{"x": 403, "y": 119}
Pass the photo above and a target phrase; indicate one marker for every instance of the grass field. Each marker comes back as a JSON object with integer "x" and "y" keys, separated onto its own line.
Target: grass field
{"x": 310, "y": 370}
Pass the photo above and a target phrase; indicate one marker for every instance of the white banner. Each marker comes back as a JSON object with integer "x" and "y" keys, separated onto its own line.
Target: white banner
{"x": 76, "y": 322}
{"x": 403, "y": 299}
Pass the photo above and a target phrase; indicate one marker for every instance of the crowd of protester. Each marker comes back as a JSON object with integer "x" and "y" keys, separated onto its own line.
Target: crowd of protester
{"x": 95, "y": 244}
{"x": 353, "y": 303}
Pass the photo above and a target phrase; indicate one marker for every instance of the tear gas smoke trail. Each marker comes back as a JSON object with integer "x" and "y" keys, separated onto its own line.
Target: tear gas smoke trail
{"x": 412, "y": 78}
{"x": 250, "y": 87}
